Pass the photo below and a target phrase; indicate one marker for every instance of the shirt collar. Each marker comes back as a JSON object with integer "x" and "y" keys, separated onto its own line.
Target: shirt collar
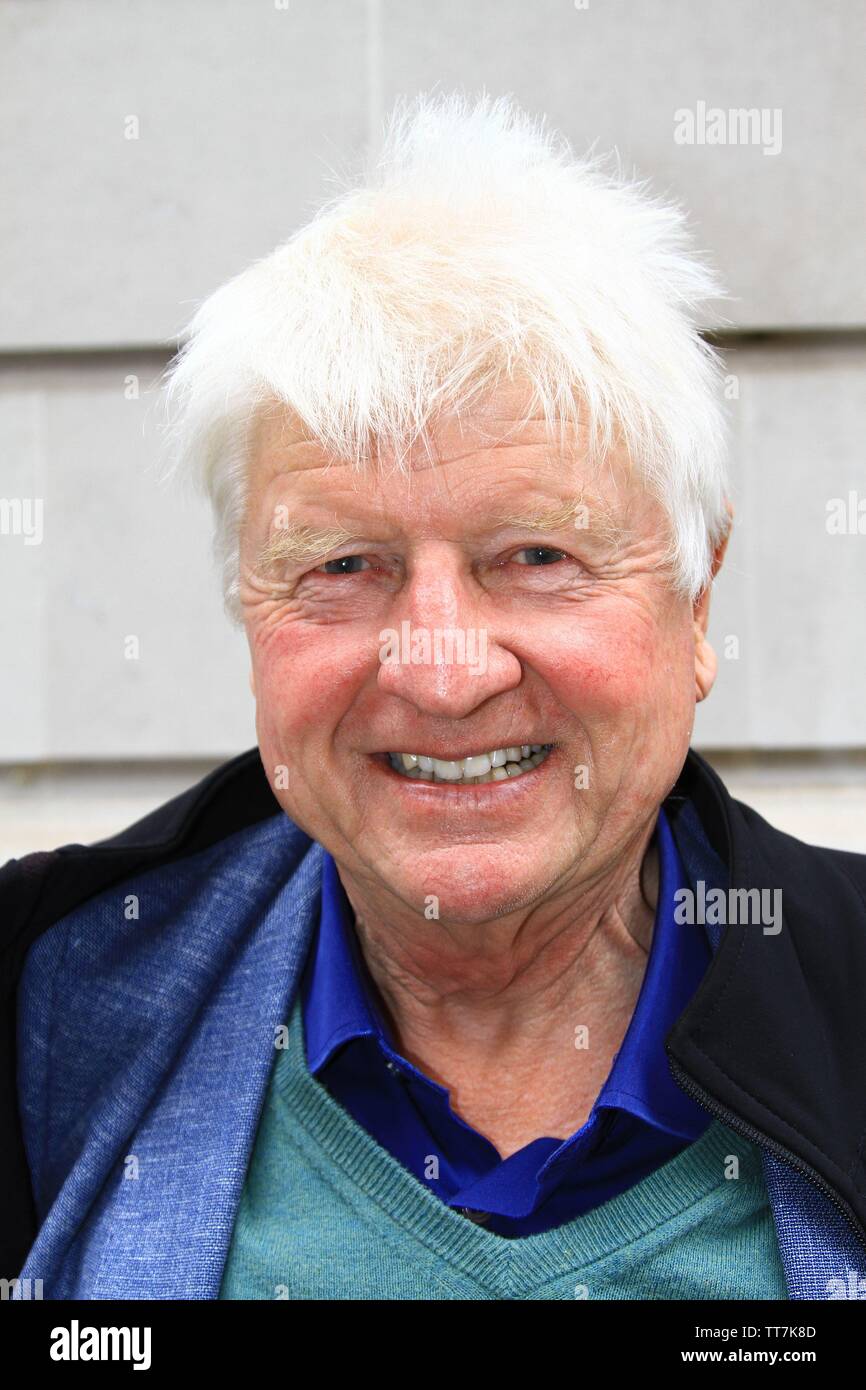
{"x": 340, "y": 1000}
{"x": 338, "y": 996}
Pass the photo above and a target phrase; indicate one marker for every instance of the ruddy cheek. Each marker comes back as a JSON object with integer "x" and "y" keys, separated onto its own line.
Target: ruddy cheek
{"x": 615, "y": 675}
{"x": 307, "y": 680}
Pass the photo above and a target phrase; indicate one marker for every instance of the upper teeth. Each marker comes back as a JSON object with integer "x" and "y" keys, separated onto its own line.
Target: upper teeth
{"x": 494, "y": 766}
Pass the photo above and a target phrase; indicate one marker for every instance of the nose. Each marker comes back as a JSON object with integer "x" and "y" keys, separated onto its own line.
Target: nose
{"x": 440, "y": 652}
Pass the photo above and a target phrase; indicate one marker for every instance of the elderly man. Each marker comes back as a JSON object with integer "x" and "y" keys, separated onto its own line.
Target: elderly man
{"x": 472, "y": 981}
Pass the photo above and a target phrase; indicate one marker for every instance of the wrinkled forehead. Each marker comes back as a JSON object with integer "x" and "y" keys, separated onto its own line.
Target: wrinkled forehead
{"x": 501, "y": 430}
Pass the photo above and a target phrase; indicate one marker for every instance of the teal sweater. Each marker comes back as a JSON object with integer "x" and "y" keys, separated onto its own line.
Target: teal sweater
{"x": 327, "y": 1213}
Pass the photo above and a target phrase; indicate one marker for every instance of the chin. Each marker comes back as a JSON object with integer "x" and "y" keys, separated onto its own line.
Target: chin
{"x": 472, "y": 890}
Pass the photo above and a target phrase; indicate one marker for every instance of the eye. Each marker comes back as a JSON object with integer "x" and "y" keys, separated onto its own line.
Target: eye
{"x": 346, "y": 564}
{"x": 539, "y": 555}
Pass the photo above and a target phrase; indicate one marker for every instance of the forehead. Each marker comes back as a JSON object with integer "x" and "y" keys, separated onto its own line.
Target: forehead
{"x": 498, "y": 449}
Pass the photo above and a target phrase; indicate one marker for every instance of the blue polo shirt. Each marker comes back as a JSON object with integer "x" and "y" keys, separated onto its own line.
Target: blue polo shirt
{"x": 640, "y": 1119}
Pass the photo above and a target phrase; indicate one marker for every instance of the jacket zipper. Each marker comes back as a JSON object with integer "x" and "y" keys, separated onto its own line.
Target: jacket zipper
{"x": 734, "y": 1122}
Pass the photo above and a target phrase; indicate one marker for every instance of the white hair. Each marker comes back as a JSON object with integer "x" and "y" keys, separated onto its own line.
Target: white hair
{"x": 476, "y": 248}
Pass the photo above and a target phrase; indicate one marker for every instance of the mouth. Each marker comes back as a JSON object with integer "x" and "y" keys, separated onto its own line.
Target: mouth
{"x": 496, "y": 765}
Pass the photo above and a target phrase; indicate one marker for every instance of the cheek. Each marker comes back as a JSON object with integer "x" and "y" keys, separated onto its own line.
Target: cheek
{"x": 306, "y": 678}
{"x": 623, "y": 667}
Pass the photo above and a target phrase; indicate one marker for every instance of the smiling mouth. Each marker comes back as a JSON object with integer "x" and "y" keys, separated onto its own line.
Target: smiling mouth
{"x": 498, "y": 765}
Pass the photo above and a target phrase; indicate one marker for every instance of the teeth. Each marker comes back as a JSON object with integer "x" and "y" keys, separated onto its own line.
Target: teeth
{"x": 447, "y": 772}
{"x": 495, "y": 766}
{"x": 475, "y": 767}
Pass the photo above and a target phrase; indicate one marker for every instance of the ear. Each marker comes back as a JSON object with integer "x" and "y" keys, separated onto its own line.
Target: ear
{"x": 706, "y": 663}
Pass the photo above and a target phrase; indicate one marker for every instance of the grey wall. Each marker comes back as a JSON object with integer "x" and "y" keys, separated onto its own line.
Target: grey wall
{"x": 243, "y": 107}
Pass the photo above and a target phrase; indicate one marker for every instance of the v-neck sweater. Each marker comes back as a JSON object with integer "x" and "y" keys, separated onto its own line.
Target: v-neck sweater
{"x": 327, "y": 1213}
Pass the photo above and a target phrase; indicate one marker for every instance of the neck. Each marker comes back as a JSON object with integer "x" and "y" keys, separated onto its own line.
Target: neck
{"x": 492, "y": 1011}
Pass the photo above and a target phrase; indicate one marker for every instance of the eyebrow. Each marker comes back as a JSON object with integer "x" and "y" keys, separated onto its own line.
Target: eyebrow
{"x": 586, "y": 515}
{"x": 298, "y": 544}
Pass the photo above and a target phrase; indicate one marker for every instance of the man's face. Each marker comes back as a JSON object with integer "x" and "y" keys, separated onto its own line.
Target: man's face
{"x": 573, "y": 638}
